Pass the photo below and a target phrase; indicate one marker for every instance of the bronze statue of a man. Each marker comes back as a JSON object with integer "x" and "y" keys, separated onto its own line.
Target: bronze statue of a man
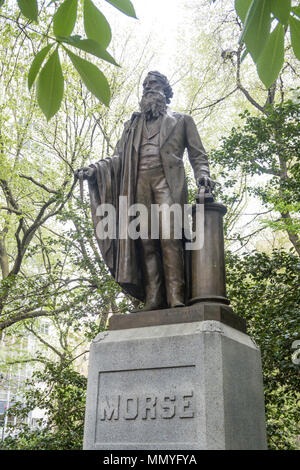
{"x": 147, "y": 168}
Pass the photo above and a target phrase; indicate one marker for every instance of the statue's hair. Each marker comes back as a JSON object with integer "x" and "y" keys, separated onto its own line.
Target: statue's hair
{"x": 167, "y": 87}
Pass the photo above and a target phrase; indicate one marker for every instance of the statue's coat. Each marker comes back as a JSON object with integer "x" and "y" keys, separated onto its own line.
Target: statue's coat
{"x": 117, "y": 176}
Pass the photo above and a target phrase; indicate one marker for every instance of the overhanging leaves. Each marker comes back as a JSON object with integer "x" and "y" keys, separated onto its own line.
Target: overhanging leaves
{"x": 295, "y": 36}
{"x": 267, "y": 50}
{"x": 271, "y": 59}
{"x": 92, "y": 77}
{"x": 95, "y": 24}
{"x": 257, "y": 27}
{"x": 90, "y": 46}
{"x": 123, "y": 5}
{"x": 281, "y": 10}
{"x": 36, "y": 64}
{"x": 50, "y": 86}
{"x": 29, "y": 8}
{"x": 296, "y": 10}
{"x": 242, "y": 7}
{"x": 65, "y": 18}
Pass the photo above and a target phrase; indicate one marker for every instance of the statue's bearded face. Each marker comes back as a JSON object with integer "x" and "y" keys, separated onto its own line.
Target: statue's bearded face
{"x": 153, "y": 104}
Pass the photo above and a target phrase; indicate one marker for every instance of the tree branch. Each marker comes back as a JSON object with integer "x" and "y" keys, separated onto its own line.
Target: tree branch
{"x": 42, "y": 340}
{"x": 52, "y": 191}
{"x": 38, "y": 313}
{"x": 240, "y": 86}
{"x": 215, "y": 102}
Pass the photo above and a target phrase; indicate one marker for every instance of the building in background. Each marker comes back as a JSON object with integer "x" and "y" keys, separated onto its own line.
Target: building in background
{"x": 15, "y": 368}
{"x": 18, "y": 354}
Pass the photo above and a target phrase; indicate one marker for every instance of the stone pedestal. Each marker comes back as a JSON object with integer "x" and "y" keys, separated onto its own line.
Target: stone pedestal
{"x": 185, "y": 386}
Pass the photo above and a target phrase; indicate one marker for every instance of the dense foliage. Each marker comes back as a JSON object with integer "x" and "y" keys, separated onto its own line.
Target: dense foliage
{"x": 264, "y": 289}
{"x": 60, "y": 391}
{"x": 267, "y": 148}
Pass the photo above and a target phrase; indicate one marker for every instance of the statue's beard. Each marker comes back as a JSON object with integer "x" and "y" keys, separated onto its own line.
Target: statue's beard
{"x": 153, "y": 105}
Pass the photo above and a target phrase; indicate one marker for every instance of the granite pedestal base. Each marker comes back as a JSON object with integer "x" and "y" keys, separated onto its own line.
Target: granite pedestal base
{"x": 195, "y": 385}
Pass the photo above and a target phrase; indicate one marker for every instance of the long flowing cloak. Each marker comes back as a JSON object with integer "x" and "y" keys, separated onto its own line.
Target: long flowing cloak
{"x": 115, "y": 177}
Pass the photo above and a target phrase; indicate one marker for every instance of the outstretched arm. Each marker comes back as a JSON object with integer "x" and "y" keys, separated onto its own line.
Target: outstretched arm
{"x": 89, "y": 172}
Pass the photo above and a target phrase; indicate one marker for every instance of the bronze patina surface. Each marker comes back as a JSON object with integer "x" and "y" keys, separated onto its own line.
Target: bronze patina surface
{"x": 147, "y": 167}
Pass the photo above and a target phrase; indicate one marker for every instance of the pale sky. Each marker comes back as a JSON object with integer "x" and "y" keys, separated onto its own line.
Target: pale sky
{"x": 160, "y": 18}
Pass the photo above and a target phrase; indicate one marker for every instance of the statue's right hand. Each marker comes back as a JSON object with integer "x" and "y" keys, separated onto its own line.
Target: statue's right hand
{"x": 85, "y": 173}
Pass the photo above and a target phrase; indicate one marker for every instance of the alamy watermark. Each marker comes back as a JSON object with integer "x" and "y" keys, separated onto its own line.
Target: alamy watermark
{"x": 160, "y": 221}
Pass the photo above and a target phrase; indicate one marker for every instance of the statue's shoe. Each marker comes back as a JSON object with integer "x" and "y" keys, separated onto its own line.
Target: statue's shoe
{"x": 148, "y": 308}
{"x": 177, "y": 304}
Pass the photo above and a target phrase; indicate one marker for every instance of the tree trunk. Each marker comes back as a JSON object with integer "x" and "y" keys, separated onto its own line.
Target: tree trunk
{"x": 293, "y": 237}
{"x": 3, "y": 259}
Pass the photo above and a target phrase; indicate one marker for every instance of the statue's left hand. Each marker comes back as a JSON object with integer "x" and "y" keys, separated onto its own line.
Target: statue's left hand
{"x": 207, "y": 182}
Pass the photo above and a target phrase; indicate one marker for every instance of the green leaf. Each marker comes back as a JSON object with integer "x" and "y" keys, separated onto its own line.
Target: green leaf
{"x": 242, "y": 7}
{"x": 36, "y": 64}
{"x": 92, "y": 77}
{"x": 257, "y": 27}
{"x": 281, "y": 10}
{"x": 295, "y": 36}
{"x": 65, "y": 18}
{"x": 1, "y": 3}
{"x": 50, "y": 86}
{"x": 95, "y": 24}
{"x": 123, "y": 5}
{"x": 29, "y": 8}
{"x": 271, "y": 59}
{"x": 296, "y": 10}
{"x": 90, "y": 46}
